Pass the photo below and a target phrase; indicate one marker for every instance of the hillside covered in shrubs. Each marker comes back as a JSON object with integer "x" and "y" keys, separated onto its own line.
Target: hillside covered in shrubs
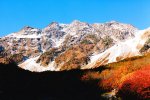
{"x": 129, "y": 77}
{"x": 136, "y": 85}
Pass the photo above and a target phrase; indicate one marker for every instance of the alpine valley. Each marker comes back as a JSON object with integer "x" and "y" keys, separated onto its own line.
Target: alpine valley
{"x": 111, "y": 57}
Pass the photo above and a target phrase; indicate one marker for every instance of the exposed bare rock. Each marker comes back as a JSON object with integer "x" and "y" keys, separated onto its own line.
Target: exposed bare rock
{"x": 56, "y": 44}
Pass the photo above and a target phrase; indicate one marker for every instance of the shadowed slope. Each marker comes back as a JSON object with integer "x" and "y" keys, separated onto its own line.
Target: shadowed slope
{"x": 18, "y": 84}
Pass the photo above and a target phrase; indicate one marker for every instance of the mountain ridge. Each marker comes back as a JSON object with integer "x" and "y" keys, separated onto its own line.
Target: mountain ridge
{"x": 70, "y": 46}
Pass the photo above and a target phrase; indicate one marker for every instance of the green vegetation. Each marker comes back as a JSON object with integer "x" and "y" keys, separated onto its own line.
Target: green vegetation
{"x": 93, "y": 37}
{"x": 86, "y": 42}
{"x": 107, "y": 41}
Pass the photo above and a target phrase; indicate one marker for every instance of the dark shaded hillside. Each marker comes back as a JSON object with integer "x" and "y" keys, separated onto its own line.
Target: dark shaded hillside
{"x": 19, "y": 84}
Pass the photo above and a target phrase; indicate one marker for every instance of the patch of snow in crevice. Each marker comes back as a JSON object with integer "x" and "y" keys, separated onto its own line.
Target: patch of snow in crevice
{"x": 58, "y": 42}
{"x": 31, "y": 65}
{"x": 27, "y": 36}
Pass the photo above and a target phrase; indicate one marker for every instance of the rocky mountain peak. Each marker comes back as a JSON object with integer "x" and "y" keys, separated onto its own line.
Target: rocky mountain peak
{"x": 27, "y": 28}
{"x": 78, "y": 23}
{"x": 84, "y": 38}
{"x": 112, "y": 21}
{"x": 53, "y": 25}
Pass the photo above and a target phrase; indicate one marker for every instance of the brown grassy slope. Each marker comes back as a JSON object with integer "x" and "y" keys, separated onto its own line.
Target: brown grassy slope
{"x": 74, "y": 57}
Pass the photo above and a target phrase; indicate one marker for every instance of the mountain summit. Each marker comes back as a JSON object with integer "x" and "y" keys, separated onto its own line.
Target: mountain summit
{"x": 77, "y": 45}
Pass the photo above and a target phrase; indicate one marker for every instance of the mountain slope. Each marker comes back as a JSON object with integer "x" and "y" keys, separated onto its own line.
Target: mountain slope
{"x": 121, "y": 50}
{"x": 68, "y": 46}
{"x": 79, "y": 84}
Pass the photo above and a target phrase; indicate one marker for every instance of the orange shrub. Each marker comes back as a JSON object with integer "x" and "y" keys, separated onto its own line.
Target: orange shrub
{"x": 111, "y": 78}
{"x": 118, "y": 71}
{"x": 136, "y": 86}
{"x": 91, "y": 76}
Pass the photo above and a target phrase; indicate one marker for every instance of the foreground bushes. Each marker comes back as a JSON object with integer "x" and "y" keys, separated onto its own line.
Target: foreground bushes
{"x": 131, "y": 76}
{"x": 125, "y": 76}
{"x": 136, "y": 85}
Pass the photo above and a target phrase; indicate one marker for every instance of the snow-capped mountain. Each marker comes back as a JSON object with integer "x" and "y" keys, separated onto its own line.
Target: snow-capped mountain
{"x": 121, "y": 50}
{"x": 75, "y": 45}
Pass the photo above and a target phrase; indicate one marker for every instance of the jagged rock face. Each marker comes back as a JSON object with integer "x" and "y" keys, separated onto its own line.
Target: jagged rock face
{"x": 26, "y": 41}
{"x": 145, "y": 48}
{"x": 52, "y": 34}
{"x": 122, "y": 50}
{"x": 32, "y": 42}
{"x": 27, "y": 30}
{"x": 115, "y": 30}
{"x": 49, "y": 56}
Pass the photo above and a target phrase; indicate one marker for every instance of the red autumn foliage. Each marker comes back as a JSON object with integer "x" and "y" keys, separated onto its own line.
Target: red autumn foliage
{"x": 112, "y": 78}
{"x": 137, "y": 85}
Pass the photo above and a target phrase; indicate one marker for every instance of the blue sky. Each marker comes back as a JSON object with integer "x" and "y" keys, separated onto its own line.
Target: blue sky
{"x": 15, "y": 14}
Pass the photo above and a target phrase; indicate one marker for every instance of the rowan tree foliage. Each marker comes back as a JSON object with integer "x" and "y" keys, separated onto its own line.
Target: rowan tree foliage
{"x": 137, "y": 85}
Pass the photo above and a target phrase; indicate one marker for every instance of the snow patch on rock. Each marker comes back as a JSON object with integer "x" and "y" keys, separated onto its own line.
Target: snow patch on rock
{"x": 31, "y": 65}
